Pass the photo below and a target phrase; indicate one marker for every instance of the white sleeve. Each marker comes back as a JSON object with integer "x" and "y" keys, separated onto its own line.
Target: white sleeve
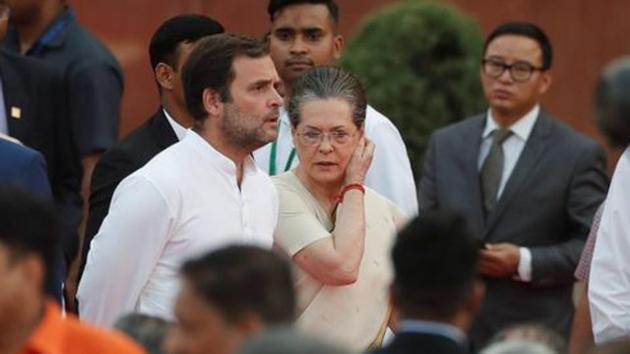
{"x": 609, "y": 280}
{"x": 390, "y": 173}
{"x": 124, "y": 252}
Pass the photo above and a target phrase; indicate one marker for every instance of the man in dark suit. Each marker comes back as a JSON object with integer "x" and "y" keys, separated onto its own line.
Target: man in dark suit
{"x": 527, "y": 184}
{"x": 434, "y": 308}
{"x": 169, "y": 48}
{"x": 24, "y": 167}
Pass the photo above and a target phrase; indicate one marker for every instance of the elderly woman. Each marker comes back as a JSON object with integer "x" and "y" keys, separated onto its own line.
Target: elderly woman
{"x": 337, "y": 231}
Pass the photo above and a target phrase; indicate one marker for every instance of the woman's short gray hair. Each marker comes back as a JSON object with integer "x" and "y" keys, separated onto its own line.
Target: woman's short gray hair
{"x": 326, "y": 82}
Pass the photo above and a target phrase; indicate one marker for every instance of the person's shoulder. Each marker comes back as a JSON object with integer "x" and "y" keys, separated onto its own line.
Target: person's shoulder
{"x": 286, "y": 181}
{"x": 86, "y": 46}
{"x": 85, "y": 338}
{"x": 568, "y": 134}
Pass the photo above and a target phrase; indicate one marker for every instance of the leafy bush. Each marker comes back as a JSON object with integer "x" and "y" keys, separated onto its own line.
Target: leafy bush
{"x": 419, "y": 62}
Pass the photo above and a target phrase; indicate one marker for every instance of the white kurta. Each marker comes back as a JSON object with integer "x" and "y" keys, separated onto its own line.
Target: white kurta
{"x": 390, "y": 173}
{"x": 181, "y": 204}
{"x": 609, "y": 280}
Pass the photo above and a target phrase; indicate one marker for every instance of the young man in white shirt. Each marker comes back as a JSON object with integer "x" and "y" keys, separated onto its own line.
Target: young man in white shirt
{"x": 303, "y": 35}
{"x": 198, "y": 195}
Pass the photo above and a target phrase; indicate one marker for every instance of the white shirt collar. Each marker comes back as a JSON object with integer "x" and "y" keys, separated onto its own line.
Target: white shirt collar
{"x": 522, "y": 128}
{"x": 179, "y": 130}
{"x": 216, "y": 158}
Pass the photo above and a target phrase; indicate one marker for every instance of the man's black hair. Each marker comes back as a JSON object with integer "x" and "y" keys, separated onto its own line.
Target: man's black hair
{"x": 525, "y": 29}
{"x": 28, "y": 226}
{"x": 178, "y": 29}
{"x": 435, "y": 265}
{"x": 277, "y": 5}
{"x": 210, "y": 66}
{"x": 238, "y": 280}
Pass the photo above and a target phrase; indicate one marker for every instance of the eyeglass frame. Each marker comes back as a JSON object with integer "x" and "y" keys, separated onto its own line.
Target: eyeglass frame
{"x": 504, "y": 66}
{"x": 327, "y": 135}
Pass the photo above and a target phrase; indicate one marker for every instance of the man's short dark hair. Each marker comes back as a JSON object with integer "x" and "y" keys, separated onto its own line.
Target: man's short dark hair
{"x": 525, "y": 29}
{"x": 435, "y": 265}
{"x": 28, "y": 226}
{"x": 237, "y": 280}
{"x": 176, "y": 30}
{"x": 277, "y": 5}
{"x": 210, "y": 65}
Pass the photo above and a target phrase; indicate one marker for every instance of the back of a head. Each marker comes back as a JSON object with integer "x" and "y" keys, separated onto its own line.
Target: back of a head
{"x": 209, "y": 66}
{"x": 146, "y": 330}
{"x": 518, "y": 347}
{"x": 532, "y": 332}
{"x": 434, "y": 241}
{"x": 615, "y": 347}
{"x": 240, "y": 280}
{"x": 612, "y": 102}
{"x": 288, "y": 341}
{"x": 176, "y": 30}
{"x": 27, "y": 225}
{"x": 525, "y": 29}
{"x": 277, "y": 5}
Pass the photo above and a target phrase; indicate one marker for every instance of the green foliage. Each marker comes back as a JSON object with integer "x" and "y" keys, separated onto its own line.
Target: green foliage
{"x": 419, "y": 62}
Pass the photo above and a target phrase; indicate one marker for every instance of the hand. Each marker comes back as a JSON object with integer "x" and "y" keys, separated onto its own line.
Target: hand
{"x": 499, "y": 260}
{"x": 360, "y": 161}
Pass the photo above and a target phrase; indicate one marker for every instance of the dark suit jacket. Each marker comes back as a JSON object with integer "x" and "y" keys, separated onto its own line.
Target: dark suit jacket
{"x": 25, "y": 168}
{"x": 421, "y": 343}
{"x": 133, "y": 152}
{"x": 547, "y": 205}
{"x": 36, "y": 111}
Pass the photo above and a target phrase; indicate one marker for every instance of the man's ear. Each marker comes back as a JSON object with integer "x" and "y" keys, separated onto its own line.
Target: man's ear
{"x": 33, "y": 270}
{"x": 165, "y": 76}
{"x": 475, "y": 297}
{"x": 212, "y": 103}
{"x": 338, "y": 42}
{"x": 250, "y": 323}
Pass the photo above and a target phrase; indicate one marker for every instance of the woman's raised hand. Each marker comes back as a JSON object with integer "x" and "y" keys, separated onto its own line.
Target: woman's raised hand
{"x": 360, "y": 161}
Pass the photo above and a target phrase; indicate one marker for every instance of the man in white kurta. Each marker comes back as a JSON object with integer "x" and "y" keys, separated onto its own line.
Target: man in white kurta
{"x": 200, "y": 194}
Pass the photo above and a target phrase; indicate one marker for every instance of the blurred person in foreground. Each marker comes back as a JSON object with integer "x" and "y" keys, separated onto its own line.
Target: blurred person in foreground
{"x": 609, "y": 279}
{"x": 148, "y": 331}
{"x": 228, "y": 296}
{"x": 337, "y": 231}
{"x": 436, "y": 289}
{"x": 289, "y": 341}
{"x": 29, "y": 322}
{"x": 532, "y": 333}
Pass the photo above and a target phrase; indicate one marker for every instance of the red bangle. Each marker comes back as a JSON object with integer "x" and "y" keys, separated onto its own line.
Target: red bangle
{"x": 344, "y": 189}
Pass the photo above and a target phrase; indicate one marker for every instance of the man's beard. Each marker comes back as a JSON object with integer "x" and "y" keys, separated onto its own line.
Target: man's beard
{"x": 239, "y": 133}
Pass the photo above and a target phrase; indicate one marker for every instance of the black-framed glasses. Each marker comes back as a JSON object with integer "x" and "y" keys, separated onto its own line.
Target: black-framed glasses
{"x": 315, "y": 137}
{"x": 520, "y": 71}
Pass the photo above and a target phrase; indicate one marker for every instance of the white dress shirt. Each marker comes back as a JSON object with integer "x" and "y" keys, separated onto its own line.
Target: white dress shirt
{"x": 180, "y": 131}
{"x": 512, "y": 148}
{"x": 181, "y": 204}
{"x": 609, "y": 280}
{"x": 390, "y": 173}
